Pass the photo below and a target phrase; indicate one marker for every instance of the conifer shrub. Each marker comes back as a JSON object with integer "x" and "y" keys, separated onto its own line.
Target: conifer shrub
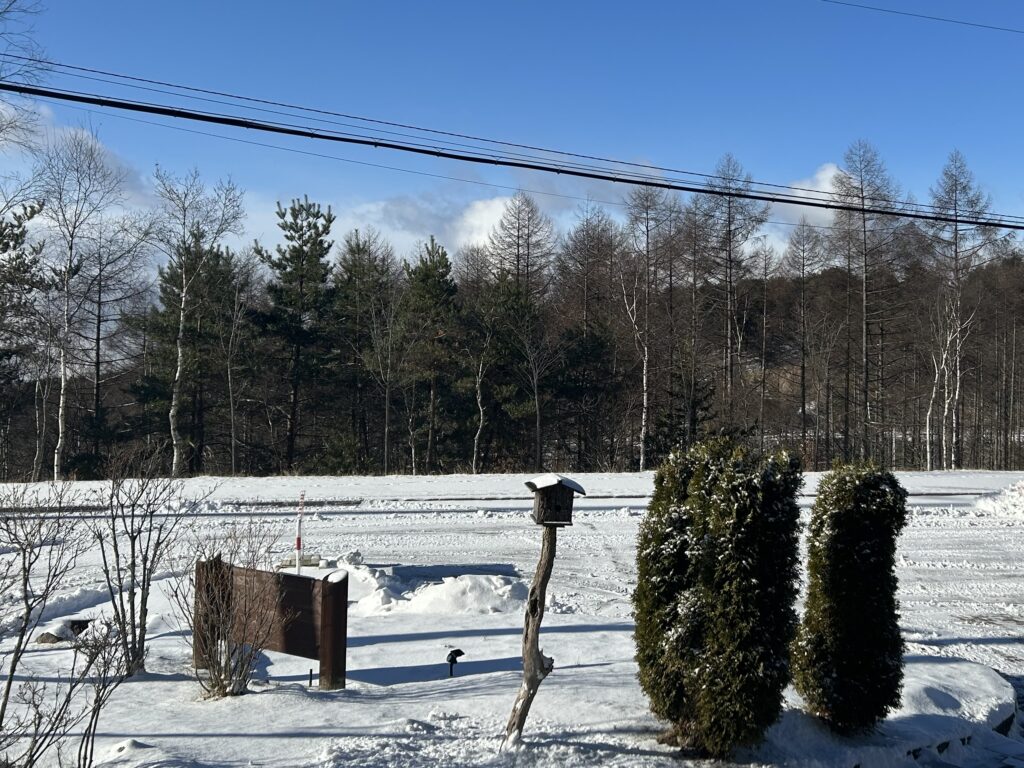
{"x": 848, "y": 656}
{"x": 662, "y": 576}
{"x": 721, "y": 558}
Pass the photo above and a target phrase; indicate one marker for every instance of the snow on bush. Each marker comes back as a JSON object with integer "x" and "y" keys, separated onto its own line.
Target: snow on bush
{"x": 662, "y": 576}
{"x": 717, "y": 559}
{"x": 848, "y": 657}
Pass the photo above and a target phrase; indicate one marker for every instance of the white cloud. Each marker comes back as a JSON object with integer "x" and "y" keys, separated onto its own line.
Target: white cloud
{"x": 818, "y": 184}
{"x": 405, "y": 221}
{"x": 475, "y": 223}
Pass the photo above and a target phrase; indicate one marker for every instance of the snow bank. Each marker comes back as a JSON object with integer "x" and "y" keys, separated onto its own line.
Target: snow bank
{"x": 1008, "y": 502}
{"x": 465, "y": 594}
{"x": 945, "y": 700}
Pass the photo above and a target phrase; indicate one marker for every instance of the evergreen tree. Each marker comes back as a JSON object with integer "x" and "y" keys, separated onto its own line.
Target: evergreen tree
{"x": 366, "y": 264}
{"x": 715, "y": 614}
{"x": 20, "y": 277}
{"x": 848, "y": 656}
{"x": 201, "y": 374}
{"x": 21, "y": 281}
{"x": 664, "y": 577}
{"x": 300, "y": 301}
{"x": 431, "y": 305}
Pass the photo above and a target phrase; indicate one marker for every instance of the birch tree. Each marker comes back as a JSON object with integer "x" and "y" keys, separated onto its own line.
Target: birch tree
{"x": 638, "y": 281}
{"x": 957, "y": 249}
{"x": 192, "y": 221}
{"x": 78, "y": 183}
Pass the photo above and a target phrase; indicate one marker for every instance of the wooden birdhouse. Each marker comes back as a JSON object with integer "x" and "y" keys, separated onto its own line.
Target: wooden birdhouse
{"x": 552, "y": 499}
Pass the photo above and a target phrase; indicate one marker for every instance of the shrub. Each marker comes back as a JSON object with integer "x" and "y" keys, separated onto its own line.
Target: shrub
{"x": 662, "y": 573}
{"x": 849, "y": 651}
{"x": 720, "y": 557}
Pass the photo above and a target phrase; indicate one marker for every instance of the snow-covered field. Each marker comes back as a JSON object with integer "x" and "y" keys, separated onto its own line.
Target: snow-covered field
{"x": 446, "y": 562}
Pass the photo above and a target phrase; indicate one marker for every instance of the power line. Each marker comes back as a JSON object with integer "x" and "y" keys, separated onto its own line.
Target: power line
{"x": 943, "y": 19}
{"x": 815, "y": 193}
{"x": 288, "y": 130}
{"x": 399, "y": 169}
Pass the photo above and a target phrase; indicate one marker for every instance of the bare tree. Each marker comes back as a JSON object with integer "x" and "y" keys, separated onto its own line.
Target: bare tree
{"x": 78, "y": 183}
{"x": 864, "y": 183}
{"x": 104, "y": 670}
{"x": 523, "y": 244}
{"x": 736, "y": 222}
{"x": 391, "y": 337}
{"x": 538, "y": 352}
{"x": 192, "y": 221}
{"x": 228, "y": 627}
{"x": 232, "y": 338}
{"x": 114, "y": 283}
{"x": 958, "y": 249}
{"x": 804, "y": 256}
{"x": 21, "y": 61}
{"x": 639, "y": 278}
{"x": 44, "y": 539}
{"x": 140, "y": 523}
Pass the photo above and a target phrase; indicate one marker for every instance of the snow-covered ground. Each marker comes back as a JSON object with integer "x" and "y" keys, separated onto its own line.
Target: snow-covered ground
{"x": 446, "y": 561}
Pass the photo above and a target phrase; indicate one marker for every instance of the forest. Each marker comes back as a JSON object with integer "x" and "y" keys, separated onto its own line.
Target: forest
{"x": 636, "y": 331}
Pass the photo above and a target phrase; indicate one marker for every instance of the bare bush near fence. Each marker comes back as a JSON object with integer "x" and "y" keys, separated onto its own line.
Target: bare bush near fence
{"x": 220, "y": 610}
{"x": 136, "y": 533}
{"x": 107, "y": 667}
{"x": 41, "y": 541}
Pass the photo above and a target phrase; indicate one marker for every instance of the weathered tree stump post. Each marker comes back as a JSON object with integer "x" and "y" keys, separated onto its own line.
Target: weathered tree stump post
{"x": 552, "y": 508}
{"x": 212, "y": 598}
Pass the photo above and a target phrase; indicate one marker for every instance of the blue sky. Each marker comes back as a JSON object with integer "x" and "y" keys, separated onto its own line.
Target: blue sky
{"x": 785, "y": 85}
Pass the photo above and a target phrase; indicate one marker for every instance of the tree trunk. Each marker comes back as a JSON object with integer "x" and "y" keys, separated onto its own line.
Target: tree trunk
{"x": 42, "y": 394}
{"x": 293, "y": 409}
{"x": 480, "y": 411}
{"x": 96, "y": 362}
{"x": 387, "y": 423}
{"x": 538, "y": 448}
{"x": 865, "y": 445}
{"x": 177, "y": 439}
{"x": 431, "y": 457}
{"x": 58, "y": 451}
{"x": 536, "y": 666}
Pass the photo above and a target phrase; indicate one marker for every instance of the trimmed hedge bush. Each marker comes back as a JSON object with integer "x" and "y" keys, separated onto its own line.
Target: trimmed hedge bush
{"x": 848, "y": 656}
{"x": 662, "y": 576}
{"x": 716, "y": 568}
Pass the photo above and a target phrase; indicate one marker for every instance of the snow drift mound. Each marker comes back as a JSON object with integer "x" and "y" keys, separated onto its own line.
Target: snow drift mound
{"x": 467, "y": 594}
{"x": 1008, "y": 502}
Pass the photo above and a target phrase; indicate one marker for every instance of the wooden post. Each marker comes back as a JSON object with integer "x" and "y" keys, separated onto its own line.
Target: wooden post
{"x": 212, "y": 594}
{"x": 333, "y": 633}
{"x": 536, "y": 666}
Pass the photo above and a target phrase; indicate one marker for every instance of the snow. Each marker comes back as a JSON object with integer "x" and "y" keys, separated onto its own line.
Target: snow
{"x": 437, "y": 563}
{"x": 551, "y": 479}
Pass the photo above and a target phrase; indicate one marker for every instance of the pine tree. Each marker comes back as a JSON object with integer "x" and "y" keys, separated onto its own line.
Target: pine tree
{"x": 300, "y": 301}
{"x": 21, "y": 281}
{"x": 431, "y": 305}
{"x": 848, "y": 657}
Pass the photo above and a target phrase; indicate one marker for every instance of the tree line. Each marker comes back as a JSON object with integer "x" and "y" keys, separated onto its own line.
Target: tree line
{"x": 637, "y": 330}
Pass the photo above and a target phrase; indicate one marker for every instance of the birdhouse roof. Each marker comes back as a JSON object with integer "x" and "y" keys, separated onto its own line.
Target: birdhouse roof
{"x": 551, "y": 479}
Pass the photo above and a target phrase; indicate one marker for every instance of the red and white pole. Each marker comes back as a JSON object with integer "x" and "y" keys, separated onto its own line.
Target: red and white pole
{"x": 298, "y": 535}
